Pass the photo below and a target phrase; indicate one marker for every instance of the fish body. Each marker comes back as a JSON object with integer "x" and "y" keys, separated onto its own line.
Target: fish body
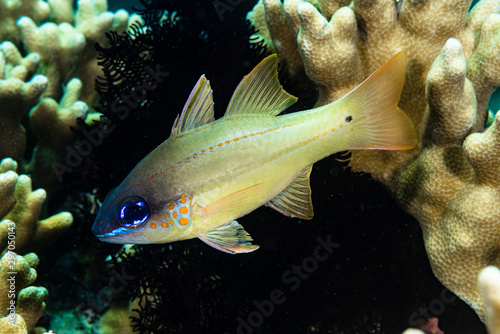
{"x": 211, "y": 172}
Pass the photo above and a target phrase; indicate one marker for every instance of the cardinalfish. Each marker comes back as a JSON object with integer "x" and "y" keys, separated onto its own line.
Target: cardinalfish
{"x": 211, "y": 172}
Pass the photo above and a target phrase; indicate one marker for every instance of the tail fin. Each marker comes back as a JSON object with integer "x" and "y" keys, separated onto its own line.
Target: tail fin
{"x": 379, "y": 123}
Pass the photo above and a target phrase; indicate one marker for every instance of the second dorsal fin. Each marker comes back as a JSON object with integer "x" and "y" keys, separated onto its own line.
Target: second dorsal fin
{"x": 198, "y": 110}
{"x": 260, "y": 92}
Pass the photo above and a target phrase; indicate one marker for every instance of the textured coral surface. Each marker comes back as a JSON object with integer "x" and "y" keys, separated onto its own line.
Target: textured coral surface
{"x": 23, "y": 302}
{"x": 20, "y": 207}
{"x": 449, "y": 182}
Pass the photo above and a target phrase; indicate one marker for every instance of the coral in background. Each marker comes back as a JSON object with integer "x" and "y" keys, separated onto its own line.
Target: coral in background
{"x": 21, "y": 305}
{"x": 449, "y": 183}
{"x": 59, "y": 53}
{"x": 19, "y": 213}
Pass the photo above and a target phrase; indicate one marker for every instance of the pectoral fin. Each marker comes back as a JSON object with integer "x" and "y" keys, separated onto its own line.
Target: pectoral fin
{"x": 229, "y": 238}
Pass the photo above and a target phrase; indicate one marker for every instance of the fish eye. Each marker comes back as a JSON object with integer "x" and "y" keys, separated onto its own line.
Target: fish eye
{"x": 133, "y": 212}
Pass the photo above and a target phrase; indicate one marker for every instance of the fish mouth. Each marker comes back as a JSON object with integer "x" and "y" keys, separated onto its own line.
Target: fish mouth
{"x": 104, "y": 230}
{"x": 107, "y": 232}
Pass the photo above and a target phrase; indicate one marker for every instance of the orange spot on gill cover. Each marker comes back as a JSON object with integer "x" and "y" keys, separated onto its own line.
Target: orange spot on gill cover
{"x": 171, "y": 206}
{"x": 164, "y": 224}
{"x": 183, "y": 200}
{"x": 174, "y": 214}
{"x": 184, "y": 221}
{"x": 184, "y": 210}
{"x": 153, "y": 226}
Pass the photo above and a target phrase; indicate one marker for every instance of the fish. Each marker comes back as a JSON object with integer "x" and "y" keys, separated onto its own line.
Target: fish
{"x": 209, "y": 172}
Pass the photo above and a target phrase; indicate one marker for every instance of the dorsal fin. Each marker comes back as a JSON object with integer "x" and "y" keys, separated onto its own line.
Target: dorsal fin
{"x": 295, "y": 200}
{"x": 198, "y": 110}
{"x": 260, "y": 92}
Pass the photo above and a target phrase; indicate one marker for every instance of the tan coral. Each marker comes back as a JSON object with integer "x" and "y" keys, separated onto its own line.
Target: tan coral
{"x": 21, "y": 304}
{"x": 489, "y": 282}
{"x": 61, "y": 67}
{"x": 20, "y": 210}
{"x": 19, "y": 92}
{"x": 67, "y": 49}
{"x": 59, "y": 47}
{"x": 18, "y": 97}
{"x": 11, "y": 10}
{"x": 449, "y": 185}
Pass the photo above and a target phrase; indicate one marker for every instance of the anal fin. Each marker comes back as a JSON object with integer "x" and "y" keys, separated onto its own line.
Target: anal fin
{"x": 295, "y": 200}
{"x": 229, "y": 238}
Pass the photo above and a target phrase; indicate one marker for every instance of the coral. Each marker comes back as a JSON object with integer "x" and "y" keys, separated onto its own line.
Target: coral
{"x": 489, "y": 282}
{"x": 58, "y": 53}
{"x": 118, "y": 319}
{"x": 19, "y": 92}
{"x": 20, "y": 228}
{"x": 450, "y": 181}
{"x": 22, "y": 305}
{"x": 451, "y": 187}
{"x": 10, "y": 11}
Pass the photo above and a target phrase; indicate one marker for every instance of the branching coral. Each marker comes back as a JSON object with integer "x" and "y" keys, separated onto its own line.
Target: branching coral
{"x": 450, "y": 181}
{"x": 60, "y": 54}
{"x": 22, "y": 305}
{"x": 20, "y": 210}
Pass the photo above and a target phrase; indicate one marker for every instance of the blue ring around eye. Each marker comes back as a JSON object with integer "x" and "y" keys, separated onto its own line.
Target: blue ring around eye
{"x": 133, "y": 212}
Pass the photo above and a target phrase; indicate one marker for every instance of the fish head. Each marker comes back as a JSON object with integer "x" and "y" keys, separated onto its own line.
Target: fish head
{"x": 138, "y": 217}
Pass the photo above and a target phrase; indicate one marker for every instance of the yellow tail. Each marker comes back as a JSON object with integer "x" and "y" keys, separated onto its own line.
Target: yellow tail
{"x": 379, "y": 123}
